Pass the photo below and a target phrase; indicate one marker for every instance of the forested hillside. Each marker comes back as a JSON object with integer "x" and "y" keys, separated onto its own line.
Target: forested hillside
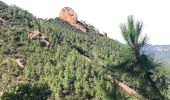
{"x": 50, "y": 59}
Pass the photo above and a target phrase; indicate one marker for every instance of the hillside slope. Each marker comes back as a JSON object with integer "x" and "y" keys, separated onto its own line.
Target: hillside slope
{"x": 73, "y": 64}
{"x": 52, "y": 59}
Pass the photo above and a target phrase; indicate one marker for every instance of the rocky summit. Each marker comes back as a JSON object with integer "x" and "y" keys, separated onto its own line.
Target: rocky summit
{"x": 69, "y": 15}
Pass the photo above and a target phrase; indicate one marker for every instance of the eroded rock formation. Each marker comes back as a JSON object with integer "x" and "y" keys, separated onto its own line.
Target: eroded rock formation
{"x": 37, "y": 34}
{"x": 80, "y": 27}
{"x": 34, "y": 35}
{"x": 69, "y": 15}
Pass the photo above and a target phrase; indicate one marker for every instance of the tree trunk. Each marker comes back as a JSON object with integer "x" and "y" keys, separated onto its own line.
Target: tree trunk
{"x": 154, "y": 86}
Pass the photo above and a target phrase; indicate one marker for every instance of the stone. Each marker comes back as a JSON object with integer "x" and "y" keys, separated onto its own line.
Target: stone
{"x": 46, "y": 42}
{"x": 19, "y": 63}
{"x": 34, "y": 35}
{"x": 103, "y": 34}
{"x": 80, "y": 27}
{"x": 69, "y": 15}
{"x": 126, "y": 88}
{"x": 37, "y": 34}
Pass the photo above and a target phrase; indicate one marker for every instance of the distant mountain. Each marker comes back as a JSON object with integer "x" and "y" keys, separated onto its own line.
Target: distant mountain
{"x": 160, "y": 52}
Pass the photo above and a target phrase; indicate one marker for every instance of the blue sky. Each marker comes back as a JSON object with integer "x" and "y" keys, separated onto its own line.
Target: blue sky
{"x": 107, "y": 15}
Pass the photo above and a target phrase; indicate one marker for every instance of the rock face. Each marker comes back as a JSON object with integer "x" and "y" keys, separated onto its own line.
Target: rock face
{"x": 69, "y": 15}
{"x": 80, "y": 27}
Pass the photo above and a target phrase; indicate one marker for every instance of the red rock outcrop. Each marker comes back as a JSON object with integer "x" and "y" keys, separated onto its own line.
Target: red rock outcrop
{"x": 34, "y": 35}
{"x": 126, "y": 88}
{"x": 19, "y": 63}
{"x": 37, "y": 34}
{"x": 69, "y": 15}
{"x": 80, "y": 27}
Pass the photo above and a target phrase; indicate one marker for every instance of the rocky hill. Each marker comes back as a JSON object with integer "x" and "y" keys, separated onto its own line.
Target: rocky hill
{"x": 69, "y": 15}
{"x": 54, "y": 59}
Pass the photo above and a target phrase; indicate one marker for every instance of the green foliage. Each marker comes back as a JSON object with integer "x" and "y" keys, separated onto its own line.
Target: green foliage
{"x": 28, "y": 92}
{"x": 143, "y": 66}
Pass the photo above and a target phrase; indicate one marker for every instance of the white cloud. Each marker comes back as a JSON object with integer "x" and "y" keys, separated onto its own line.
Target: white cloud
{"x": 107, "y": 15}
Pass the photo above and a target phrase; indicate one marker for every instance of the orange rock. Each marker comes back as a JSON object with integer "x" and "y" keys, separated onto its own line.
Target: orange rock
{"x": 33, "y": 34}
{"x": 37, "y": 34}
{"x": 126, "y": 88}
{"x": 20, "y": 64}
{"x": 70, "y": 16}
{"x": 80, "y": 27}
{"x": 43, "y": 37}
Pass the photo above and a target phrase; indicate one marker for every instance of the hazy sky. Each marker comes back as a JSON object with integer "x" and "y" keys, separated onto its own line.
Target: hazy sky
{"x": 107, "y": 15}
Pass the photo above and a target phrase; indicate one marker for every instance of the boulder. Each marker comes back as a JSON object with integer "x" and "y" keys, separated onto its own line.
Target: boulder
{"x": 19, "y": 63}
{"x": 126, "y": 88}
{"x": 103, "y": 34}
{"x": 46, "y": 42}
{"x": 83, "y": 22}
{"x": 80, "y": 27}
{"x": 37, "y": 34}
{"x": 34, "y": 35}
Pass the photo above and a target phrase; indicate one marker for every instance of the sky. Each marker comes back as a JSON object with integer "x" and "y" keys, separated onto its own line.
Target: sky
{"x": 107, "y": 15}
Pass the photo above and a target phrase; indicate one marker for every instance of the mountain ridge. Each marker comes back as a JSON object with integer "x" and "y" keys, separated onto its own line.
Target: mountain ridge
{"x": 160, "y": 52}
